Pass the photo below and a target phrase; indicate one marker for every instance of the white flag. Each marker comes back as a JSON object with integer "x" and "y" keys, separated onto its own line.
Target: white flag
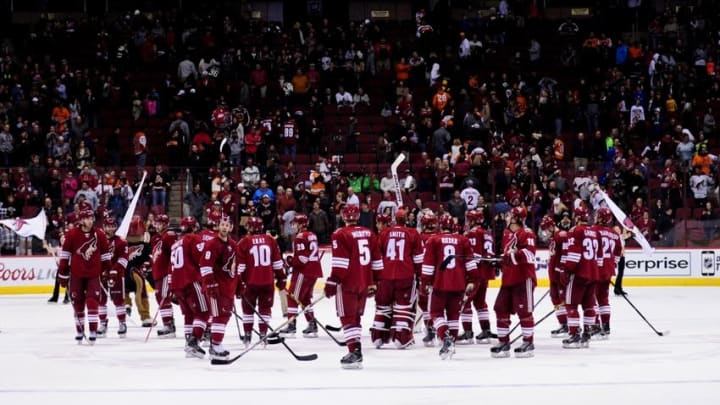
{"x": 626, "y": 223}
{"x": 28, "y": 226}
{"x": 124, "y": 227}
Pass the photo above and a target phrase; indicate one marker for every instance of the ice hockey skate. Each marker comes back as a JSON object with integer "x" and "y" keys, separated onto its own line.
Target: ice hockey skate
{"x": 167, "y": 332}
{"x": 218, "y": 352}
{"x": 193, "y": 349}
{"x": 484, "y": 337}
{"x": 429, "y": 339}
{"x": 604, "y": 332}
{"x": 572, "y": 342}
{"x": 92, "y": 337}
{"x": 102, "y": 329}
{"x": 79, "y": 337}
{"x": 500, "y": 350}
{"x": 448, "y": 348}
{"x": 289, "y": 331}
{"x": 527, "y": 349}
{"x": 246, "y": 340}
{"x": 122, "y": 330}
{"x": 352, "y": 360}
{"x": 560, "y": 332}
{"x": 585, "y": 339}
{"x": 465, "y": 338}
{"x": 312, "y": 329}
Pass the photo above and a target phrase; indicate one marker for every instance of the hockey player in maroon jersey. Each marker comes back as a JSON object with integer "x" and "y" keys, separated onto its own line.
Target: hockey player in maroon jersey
{"x": 558, "y": 238}
{"x": 483, "y": 246}
{"x": 258, "y": 263}
{"x": 355, "y": 256}
{"x": 611, "y": 248}
{"x": 186, "y": 286}
{"x": 114, "y": 280}
{"x": 210, "y": 231}
{"x": 382, "y": 221}
{"x": 518, "y": 283}
{"x": 448, "y": 287}
{"x": 402, "y": 254}
{"x": 219, "y": 282}
{"x": 161, "y": 243}
{"x": 428, "y": 222}
{"x": 84, "y": 257}
{"x": 306, "y": 270}
{"x": 579, "y": 274}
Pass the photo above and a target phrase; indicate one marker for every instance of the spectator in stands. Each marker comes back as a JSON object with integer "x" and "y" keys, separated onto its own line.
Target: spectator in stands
{"x": 319, "y": 223}
{"x": 251, "y": 174}
{"x": 160, "y": 185}
{"x": 700, "y": 184}
{"x": 702, "y": 160}
{"x": 6, "y": 146}
{"x": 709, "y": 221}
{"x": 263, "y": 190}
{"x": 186, "y": 70}
{"x": 361, "y": 98}
{"x": 88, "y": 195}
{"x": 352, "y": 198}
{"x": 344, "y": 99}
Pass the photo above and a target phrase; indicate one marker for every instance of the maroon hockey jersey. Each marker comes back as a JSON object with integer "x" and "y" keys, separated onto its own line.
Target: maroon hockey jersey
{"x": 259, "y": 260}
{"x": 161, "y": 245}
{"x": 582, "y": 255}
{"x": 462, "y": 269}
{"x": 355, "y": 256}
{"x": 84, "y": 254}
{"x": 401, "y": 249}
{"x": 306, "y": 259}
{"x": 518, "y": 257}
{"x": 483, "y": 245}
{"x": 185, "y": 256}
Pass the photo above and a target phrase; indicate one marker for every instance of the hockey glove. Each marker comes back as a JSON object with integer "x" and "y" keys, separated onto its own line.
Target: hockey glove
{"x": 210, "y": 286}
{"x": 330, "y": 287}
{"x": 563, "y": 277}
{"x": 281, "y": 284}
{"x": 112, "y": 278}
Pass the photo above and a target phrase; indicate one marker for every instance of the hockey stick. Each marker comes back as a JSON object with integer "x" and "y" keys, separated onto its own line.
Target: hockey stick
{"x": 154, "y": 321}
{"x": 449, "y": 258}
{"x": 218, "y": 362}
{"x": 307, "y": 357}
{"x": 318, "y": 323}
{"x": 272, "y": 340}
{"x": 663, "y": 333}
{"x": 536, "y": 324}
{"x": 333, "y": 328}
{"x": 396, "y": 182}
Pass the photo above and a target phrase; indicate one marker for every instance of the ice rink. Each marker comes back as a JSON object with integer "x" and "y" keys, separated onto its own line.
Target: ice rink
{"x": 41, "y": 363}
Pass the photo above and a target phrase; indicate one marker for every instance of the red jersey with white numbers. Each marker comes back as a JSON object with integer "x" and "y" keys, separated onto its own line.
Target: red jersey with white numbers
{"x": 458, "y": 272}
{"x": 355, "y": 256}
{"x": 401, "y": 249}
{"x": 161, "y": 245}
{"x": 306, "y": 258}
{"x": 185, "y": 256}
{"x": 483, "y": 245}
{"x": 259, "y": 260}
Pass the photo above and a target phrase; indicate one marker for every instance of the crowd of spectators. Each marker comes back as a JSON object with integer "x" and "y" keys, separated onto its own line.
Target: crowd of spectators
{"x": 500, "y": 108}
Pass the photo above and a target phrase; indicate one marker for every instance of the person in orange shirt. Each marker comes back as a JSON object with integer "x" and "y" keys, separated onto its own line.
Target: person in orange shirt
{"x": 60, "y": 114}
{"x": 402, "y": 70}
{"x": 301, "y": 83}
{"x": 702, "y": 160}
{"x": 441, "y": 99}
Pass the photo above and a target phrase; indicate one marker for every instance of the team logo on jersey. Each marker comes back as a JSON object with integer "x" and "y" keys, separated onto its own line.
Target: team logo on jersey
{"x": 157, "y": 248}
{"x": 87, "y": 249}
{"x": 134, "y": 252}
{"x": 228, "y": 265}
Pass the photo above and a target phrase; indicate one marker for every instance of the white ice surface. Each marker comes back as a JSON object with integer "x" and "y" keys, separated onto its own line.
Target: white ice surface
{"x": 41, "y": 363}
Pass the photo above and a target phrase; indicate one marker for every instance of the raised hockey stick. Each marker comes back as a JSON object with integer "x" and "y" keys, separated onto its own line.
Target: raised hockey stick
{"x": 536, "y": 324}
{"x": 449, "y": 258}
{"x": 299, "y": 357}
{"x": 320, "y": 325}
{"x": 218, "y": 362}
{"x": 396, "y": 182}
{"x": 663, "y": 333}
